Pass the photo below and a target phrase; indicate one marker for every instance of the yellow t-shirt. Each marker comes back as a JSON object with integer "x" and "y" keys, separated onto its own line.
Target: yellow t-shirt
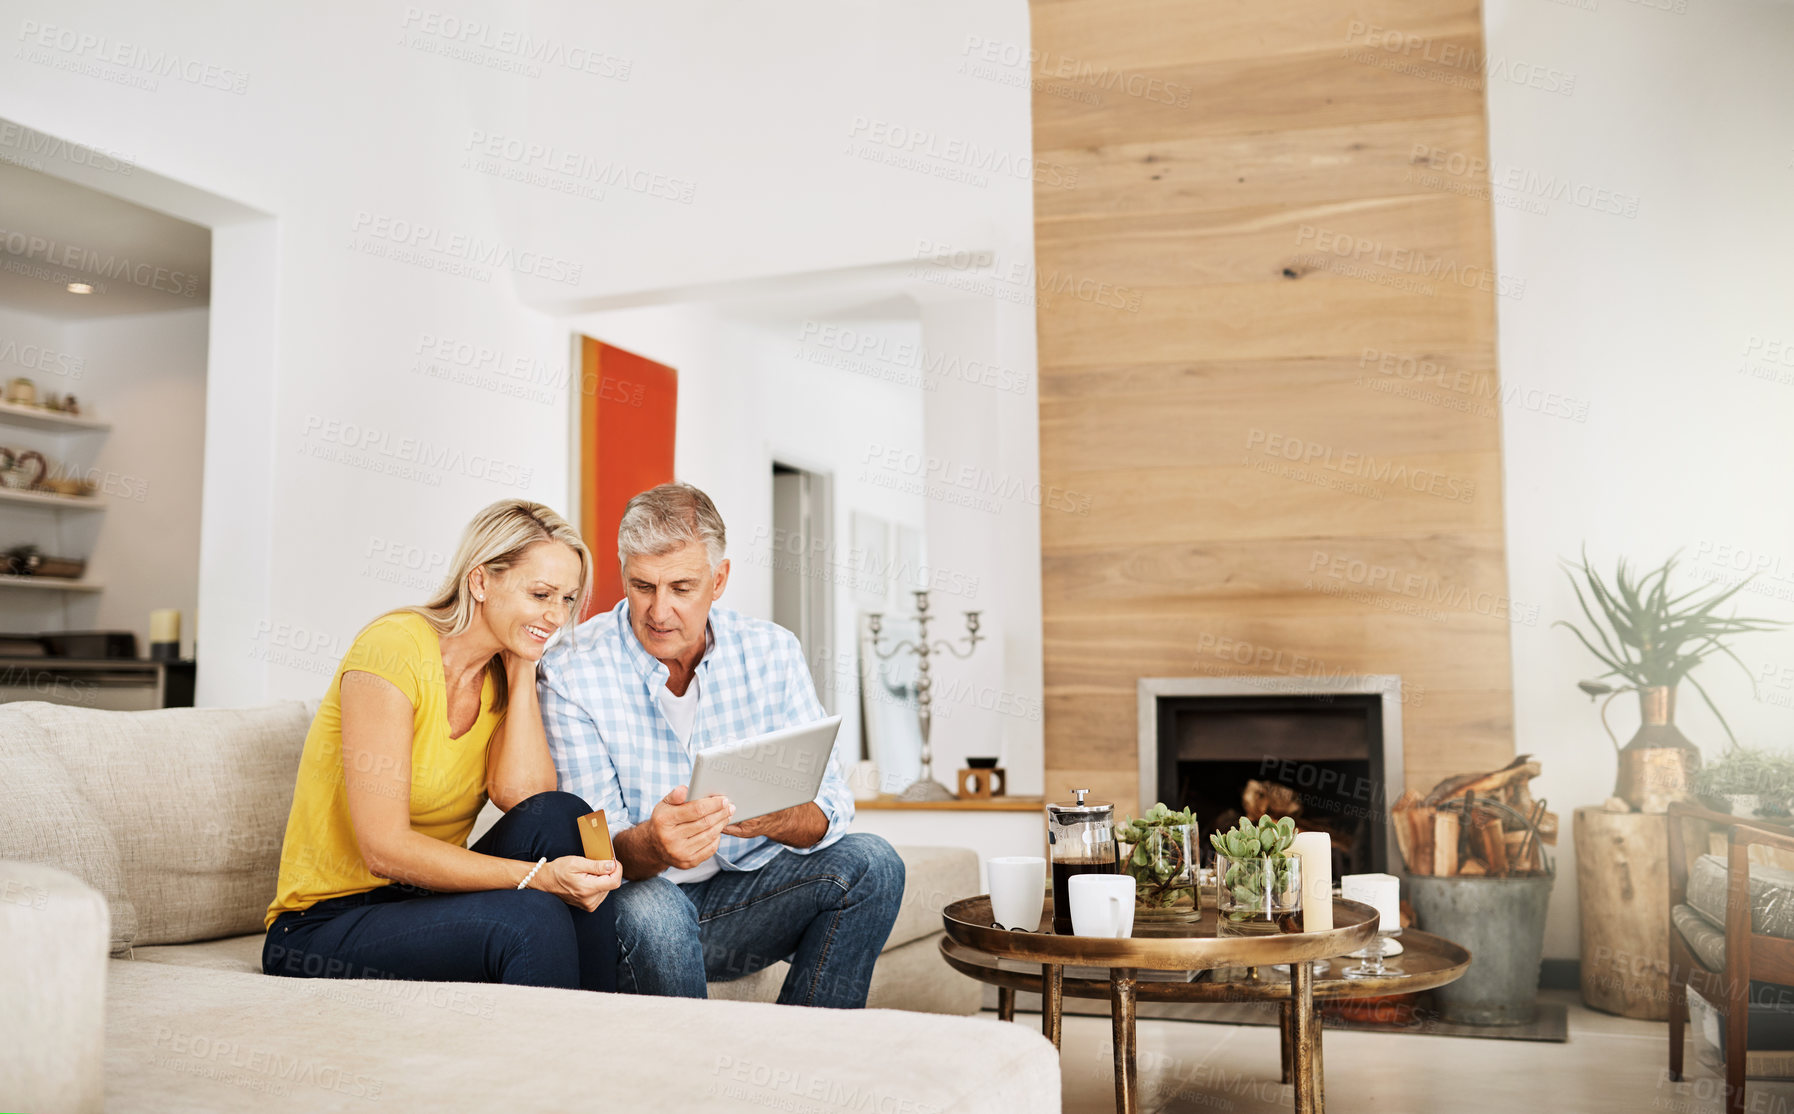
{"x": 320, "y": 857}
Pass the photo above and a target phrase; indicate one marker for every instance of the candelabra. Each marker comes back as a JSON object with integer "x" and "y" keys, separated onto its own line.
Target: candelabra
{"x": 925, "y": 788}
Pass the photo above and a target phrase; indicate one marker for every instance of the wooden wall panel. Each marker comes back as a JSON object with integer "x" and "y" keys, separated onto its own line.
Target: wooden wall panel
{"x": 1269, "y": 265}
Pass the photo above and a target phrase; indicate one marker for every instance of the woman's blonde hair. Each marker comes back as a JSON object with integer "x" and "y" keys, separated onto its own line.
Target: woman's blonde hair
{"x": 496, "y": 540}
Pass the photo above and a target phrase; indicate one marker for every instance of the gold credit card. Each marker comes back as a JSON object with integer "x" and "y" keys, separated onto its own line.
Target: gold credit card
{"x": 594, "y": 833}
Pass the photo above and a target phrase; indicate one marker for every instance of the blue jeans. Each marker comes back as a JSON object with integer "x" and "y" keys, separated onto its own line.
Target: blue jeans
{"x": 828, "y": 912}
{"x": 523, "y": 937}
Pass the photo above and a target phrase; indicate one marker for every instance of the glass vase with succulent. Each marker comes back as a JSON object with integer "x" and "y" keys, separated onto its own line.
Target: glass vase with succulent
{"x": 1258, "y": 883}
{"x": 1652, "y": 640}
{"x": 1161, "y": 857}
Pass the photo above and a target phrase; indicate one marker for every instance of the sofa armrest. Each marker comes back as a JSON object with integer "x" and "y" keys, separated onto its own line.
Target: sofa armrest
{"x": 53, "y": 933}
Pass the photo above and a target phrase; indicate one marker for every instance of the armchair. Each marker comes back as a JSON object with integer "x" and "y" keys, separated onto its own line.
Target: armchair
{"x": 1756, "y": 942}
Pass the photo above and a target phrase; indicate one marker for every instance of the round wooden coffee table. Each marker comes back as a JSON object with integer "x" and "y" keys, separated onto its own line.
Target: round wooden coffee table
{"x": 974, "y": 948}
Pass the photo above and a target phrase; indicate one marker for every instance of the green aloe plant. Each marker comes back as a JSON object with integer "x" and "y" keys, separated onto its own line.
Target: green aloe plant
{"x": 1649, "y": 637}
{"x": 1244, "y": 845}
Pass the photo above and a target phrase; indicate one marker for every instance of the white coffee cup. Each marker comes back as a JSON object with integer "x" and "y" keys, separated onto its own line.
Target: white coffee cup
{"x": 1102, "y": 905}
{"x": 1017, "y": 890}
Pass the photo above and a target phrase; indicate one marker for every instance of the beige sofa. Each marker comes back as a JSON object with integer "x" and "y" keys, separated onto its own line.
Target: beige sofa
{"x": 154, "y": 838}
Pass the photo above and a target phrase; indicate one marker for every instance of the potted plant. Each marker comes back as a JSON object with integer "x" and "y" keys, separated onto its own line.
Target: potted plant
{"x": 1652, "y": 640}
{"x": 1749, "y": 782}
{"x": 1162, "y": 862}
{"x": 1258, "y": 883}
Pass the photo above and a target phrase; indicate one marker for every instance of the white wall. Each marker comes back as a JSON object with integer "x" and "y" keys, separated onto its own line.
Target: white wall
{"x": 379, "y": 140}
{"x": 755, "y": 388}
{"x": 1670, "y": 331}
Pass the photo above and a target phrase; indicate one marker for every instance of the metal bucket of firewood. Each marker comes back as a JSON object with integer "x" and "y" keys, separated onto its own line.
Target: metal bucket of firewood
{"x": 1499, "y": 918}
{"x": 1501, "y": 922}
{"x": 1478, "y": 875}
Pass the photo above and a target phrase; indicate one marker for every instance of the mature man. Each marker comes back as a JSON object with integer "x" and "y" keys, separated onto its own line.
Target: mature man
{"x": 629, "y": 699}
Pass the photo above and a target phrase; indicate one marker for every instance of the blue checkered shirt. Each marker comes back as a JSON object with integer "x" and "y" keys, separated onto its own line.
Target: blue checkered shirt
{"x": 613, "y": 746}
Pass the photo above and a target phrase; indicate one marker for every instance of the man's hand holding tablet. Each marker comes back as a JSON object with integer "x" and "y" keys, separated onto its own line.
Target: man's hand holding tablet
{"x": 775, "y": 778}
{"x": 678, "y": 833}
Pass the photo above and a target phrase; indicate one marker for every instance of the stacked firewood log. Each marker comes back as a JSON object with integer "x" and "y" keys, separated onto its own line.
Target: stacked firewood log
{"x": 1457, "y": 829}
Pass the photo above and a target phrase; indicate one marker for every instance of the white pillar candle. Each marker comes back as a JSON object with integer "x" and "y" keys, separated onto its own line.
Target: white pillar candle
{"x": 1382, "y": 892}
{"x": 165, "y": 626}
{"x": 1315, "y": 850}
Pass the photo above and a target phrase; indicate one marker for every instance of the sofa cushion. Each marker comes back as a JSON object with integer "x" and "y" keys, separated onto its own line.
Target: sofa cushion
{"x": 45, "y": 818}
{"x": 185, "y": 1039}
{"x": 197, "y": 801}
{"x": 910, "y": 976}
{"x": 1771, "y": 896}
{"x": 933, "y": 877}
{"x": 242, "y": 954}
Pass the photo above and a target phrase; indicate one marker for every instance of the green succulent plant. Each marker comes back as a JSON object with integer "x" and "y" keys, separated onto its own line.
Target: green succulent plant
{"x": 1749, "y": 770}
{"x": 1163, "y": 875}
{"x": 1245, "y": 877}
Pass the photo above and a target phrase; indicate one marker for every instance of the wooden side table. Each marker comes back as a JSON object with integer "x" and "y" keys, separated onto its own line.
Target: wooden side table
{"x": 1622, "y": 888}
{"x": 976, "y": 948}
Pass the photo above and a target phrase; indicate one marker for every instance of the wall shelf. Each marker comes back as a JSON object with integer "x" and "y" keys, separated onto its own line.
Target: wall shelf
{"x": 49, "y": 583}
{"x": 33, "y": 417}
{"x": 969, "y": 804}
{"x": 50, "y": 499}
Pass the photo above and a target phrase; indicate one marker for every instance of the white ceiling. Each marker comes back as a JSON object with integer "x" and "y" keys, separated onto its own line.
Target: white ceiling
{"x": 54, "y": 232}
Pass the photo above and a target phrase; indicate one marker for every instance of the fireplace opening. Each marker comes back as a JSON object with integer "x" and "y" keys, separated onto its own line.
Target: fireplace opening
{"x": 1321, "y": 758}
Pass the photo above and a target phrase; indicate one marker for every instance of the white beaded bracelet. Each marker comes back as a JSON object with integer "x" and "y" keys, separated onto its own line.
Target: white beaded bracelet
{"x": 532, "y": 873}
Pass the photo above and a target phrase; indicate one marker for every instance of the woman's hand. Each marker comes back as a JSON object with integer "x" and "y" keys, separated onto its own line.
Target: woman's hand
{"x": 578, "y": 881}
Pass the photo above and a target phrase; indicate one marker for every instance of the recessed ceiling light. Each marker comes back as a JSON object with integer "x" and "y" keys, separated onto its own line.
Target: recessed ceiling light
{"x": 80, "y": 288}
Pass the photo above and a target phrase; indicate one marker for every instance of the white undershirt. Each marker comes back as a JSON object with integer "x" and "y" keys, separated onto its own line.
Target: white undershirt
{"x": 681, "y": 712}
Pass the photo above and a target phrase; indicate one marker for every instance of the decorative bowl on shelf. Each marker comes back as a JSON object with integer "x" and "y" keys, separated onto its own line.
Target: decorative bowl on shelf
{"x": 25, "y": 560}
{"x": 72, "y": 486}
{"x": 981, "y": 763}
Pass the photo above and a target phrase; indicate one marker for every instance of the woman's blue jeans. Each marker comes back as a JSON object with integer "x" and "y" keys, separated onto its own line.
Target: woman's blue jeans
{"x": 523, "y": 937}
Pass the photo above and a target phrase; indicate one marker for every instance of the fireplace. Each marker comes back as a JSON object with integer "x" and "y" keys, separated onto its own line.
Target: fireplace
{"x": 1332, "y": 745}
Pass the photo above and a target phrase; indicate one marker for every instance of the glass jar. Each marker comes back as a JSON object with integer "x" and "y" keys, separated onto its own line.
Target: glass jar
{"x": 1163, "y": 866}
{"x": 1258, "y": 895}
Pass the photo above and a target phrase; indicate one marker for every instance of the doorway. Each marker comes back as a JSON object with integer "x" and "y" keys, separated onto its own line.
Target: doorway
{"x": 803, "y": 540}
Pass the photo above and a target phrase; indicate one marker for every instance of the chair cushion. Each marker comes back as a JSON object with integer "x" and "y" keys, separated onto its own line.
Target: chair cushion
{"x": 1771, "y": 896}
{"x": 196, "y": 800}
{"x": 1705, "y": 941}
{"x": 45, "y": 818}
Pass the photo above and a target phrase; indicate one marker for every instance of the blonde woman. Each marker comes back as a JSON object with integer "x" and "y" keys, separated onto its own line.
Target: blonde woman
{"x": 433, "y": 711}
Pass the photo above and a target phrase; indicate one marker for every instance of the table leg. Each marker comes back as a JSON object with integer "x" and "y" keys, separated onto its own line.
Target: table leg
{"x": 1052, "y": 1000}
{"x": 1285, "y": 1032}
{"x": 1121, "y": 1014}
{"x": 1301, "y": 978}
{"x": 1005, "y": 1004}
{"x": 1320, "y": 1071}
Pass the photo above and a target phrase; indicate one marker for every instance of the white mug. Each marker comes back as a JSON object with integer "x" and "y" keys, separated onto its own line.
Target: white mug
{"x": 1102, "y": 905}
{"x": 1017, "y": 890}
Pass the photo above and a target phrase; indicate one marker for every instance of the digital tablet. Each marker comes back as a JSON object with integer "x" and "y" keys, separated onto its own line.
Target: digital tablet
{"x": 768, "y": 772}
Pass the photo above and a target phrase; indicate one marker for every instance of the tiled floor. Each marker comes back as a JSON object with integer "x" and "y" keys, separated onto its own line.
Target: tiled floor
{"x": 1610, "y": 1064}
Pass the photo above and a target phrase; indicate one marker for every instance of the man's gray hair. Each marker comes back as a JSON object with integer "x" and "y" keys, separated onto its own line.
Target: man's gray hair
{"x": 663, "y": 518}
